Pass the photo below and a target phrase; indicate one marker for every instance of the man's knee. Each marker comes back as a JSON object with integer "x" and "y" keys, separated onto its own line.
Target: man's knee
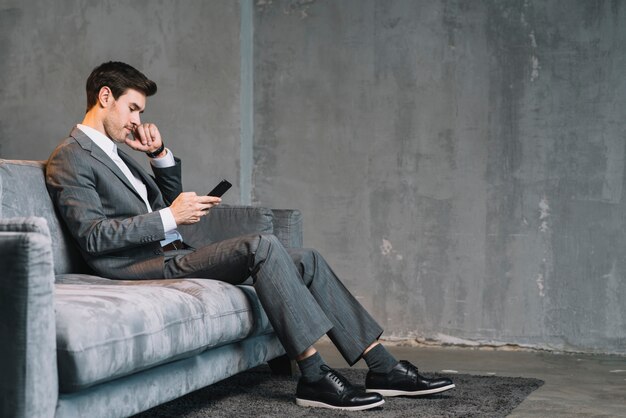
{"x": 265, "y": 245}
{"x": 306, "y": 260}
{"x": 268, "y": 241}
{"x": 255, "y": 243}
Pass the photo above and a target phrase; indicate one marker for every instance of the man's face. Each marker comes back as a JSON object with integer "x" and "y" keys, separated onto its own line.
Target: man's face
{"x": 123, "y": 115}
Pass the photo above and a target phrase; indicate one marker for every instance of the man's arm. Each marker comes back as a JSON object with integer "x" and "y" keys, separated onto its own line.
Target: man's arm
{"x": 168, "y": 178}
{"x": 166, "y": 168}
{"x": 187, "y": 208}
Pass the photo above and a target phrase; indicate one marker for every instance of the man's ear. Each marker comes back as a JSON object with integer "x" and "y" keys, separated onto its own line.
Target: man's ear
{"x": 105, "y": 97}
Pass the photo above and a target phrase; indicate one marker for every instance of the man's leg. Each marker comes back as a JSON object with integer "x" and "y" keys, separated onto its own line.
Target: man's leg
{"x": 294, "y": 313}
{"x": 355, "y": 333}
{"x": 301, "y": 295}
{"x": 354, "y": 329}
{"x": 300, "y": 316}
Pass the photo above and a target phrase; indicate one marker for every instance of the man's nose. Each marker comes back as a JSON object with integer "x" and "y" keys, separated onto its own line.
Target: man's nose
{"x": 135, "y": 120}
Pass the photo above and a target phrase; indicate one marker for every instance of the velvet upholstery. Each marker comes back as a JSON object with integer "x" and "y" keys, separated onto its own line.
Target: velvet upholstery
{"x": 23, "y": 193}
{"x": 138, "y": 392}
{"x": 76, "y": 345}
{"x": 225, "y": 222}
{"x": 112, "y": 328}
{"x": 28, "y": 369}
{"x": 288, "y": 227}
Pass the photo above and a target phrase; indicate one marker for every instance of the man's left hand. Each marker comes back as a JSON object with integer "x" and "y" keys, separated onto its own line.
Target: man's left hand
{"x": 146, "y": 138}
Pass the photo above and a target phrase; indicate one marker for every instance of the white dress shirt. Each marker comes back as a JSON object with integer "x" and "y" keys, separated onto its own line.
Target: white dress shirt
{"x": 110, "y": 148}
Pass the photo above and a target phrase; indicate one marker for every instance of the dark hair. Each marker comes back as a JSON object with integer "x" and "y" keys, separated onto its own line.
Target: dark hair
{"x": 119, "y": 77}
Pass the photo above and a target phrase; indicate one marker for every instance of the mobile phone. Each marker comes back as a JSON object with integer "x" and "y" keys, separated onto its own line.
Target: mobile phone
{"x": 220, "y": 189}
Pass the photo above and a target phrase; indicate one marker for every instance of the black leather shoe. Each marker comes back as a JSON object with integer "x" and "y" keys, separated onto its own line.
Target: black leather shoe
{"x": 404, "y": 380}
{"x": 335, "y": 392}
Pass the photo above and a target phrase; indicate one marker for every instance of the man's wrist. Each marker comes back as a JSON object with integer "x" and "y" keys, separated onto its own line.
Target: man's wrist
{"x": 157, "y": 152}
{"x": 165, "y": 160}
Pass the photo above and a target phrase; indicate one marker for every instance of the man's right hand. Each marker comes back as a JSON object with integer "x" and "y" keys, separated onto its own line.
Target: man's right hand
{"x": 188, "y": 207}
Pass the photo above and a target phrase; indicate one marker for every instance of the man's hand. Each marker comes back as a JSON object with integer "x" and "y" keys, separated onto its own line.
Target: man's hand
{"x": 188, "y": 207}
{"x": 146, "y": 138}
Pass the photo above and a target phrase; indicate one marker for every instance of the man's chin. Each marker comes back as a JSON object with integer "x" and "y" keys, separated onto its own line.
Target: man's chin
{"x": 121, "y": 138}
{"x": 117, "y": 140}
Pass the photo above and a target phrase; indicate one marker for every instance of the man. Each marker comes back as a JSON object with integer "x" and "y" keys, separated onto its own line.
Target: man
{"x": 125, "y": 221}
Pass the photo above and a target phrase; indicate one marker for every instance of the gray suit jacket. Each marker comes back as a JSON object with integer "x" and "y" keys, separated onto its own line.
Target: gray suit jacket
{"x": 106, "y": 216}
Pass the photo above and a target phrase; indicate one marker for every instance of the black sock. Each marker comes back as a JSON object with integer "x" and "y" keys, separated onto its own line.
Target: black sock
{"x": 379, "y": 360}
{"x": 310, "y": 368}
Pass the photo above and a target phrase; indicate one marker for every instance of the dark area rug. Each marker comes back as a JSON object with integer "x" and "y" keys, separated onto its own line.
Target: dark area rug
{"x": 259, "y": 393}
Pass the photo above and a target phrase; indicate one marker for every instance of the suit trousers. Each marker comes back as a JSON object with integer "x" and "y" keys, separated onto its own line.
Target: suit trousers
{"x": 301, "y": 295}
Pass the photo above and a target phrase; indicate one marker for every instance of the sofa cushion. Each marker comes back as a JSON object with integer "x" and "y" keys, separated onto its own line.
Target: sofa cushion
{"x": 110, "y": 328}
{"x": 23, "y": 193}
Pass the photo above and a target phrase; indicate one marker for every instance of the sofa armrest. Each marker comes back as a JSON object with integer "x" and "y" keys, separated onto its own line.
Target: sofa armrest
{"x": 29, "y": 383}
{"x": 288, "y": 227}
{"x": 223, "y": 222}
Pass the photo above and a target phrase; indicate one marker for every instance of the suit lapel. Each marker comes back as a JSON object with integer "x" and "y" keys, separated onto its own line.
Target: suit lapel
{"x": 97, "y": 153}
{"x": 137, "y": 170}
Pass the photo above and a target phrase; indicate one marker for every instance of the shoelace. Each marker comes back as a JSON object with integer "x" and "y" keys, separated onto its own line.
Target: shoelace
{"x": 336, "y": 377}
{"x": 410, "y": 368}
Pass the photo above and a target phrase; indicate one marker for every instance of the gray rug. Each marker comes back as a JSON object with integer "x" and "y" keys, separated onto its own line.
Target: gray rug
{"x": 258, "y": 393}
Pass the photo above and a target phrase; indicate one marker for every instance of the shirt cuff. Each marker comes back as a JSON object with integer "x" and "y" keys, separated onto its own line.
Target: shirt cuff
{"x": 166, "y": 161}
{"x": 167, "y": 218}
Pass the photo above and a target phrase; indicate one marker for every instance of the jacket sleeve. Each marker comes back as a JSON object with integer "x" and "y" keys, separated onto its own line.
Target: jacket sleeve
{"x": 169, "y": 181}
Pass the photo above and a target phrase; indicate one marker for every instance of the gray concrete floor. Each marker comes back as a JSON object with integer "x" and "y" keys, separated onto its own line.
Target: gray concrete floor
{"x": 576, "y": 385}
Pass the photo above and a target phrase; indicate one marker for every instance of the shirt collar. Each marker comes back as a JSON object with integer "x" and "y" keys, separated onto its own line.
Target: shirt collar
{"x": 101, "y": 140}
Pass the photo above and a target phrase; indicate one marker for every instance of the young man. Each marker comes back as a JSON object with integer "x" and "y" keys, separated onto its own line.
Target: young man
{"x": 124, "y": 221}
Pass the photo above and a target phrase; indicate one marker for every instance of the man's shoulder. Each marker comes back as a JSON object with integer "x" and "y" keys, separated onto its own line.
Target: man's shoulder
{"x": 72, "y": 144}
{"x": 68, "y": 156}
{"x": 65, "y": 149}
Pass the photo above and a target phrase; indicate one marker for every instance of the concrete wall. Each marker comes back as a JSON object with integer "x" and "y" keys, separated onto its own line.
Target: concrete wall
{"x": 460, "y": 163}
{"x": 189, "y": 47}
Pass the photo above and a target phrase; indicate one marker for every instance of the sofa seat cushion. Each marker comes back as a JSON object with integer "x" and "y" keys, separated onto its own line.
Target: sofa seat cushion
{"x": 111, "y": 328}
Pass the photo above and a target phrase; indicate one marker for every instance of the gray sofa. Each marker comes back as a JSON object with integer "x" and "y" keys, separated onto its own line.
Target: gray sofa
{"x": 76, "y": 345}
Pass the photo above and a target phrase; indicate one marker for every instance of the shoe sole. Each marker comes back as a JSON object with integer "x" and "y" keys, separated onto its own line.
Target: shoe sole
{"x": 317, "y": 404}
{"x": 392, "y": 393}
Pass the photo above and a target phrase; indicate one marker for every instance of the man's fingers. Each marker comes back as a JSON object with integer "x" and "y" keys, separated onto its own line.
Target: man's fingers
{"x": 207, "y": 202}
{"x": 151, "y": 132}
{"x": 154, "y": 132}
{"x": 209, "y": 199}
{"x": 147, "y": 133}
{"x": 202, "y": 204}
{"x": 188, "y": 207}
{"x": 140, "y": 134}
